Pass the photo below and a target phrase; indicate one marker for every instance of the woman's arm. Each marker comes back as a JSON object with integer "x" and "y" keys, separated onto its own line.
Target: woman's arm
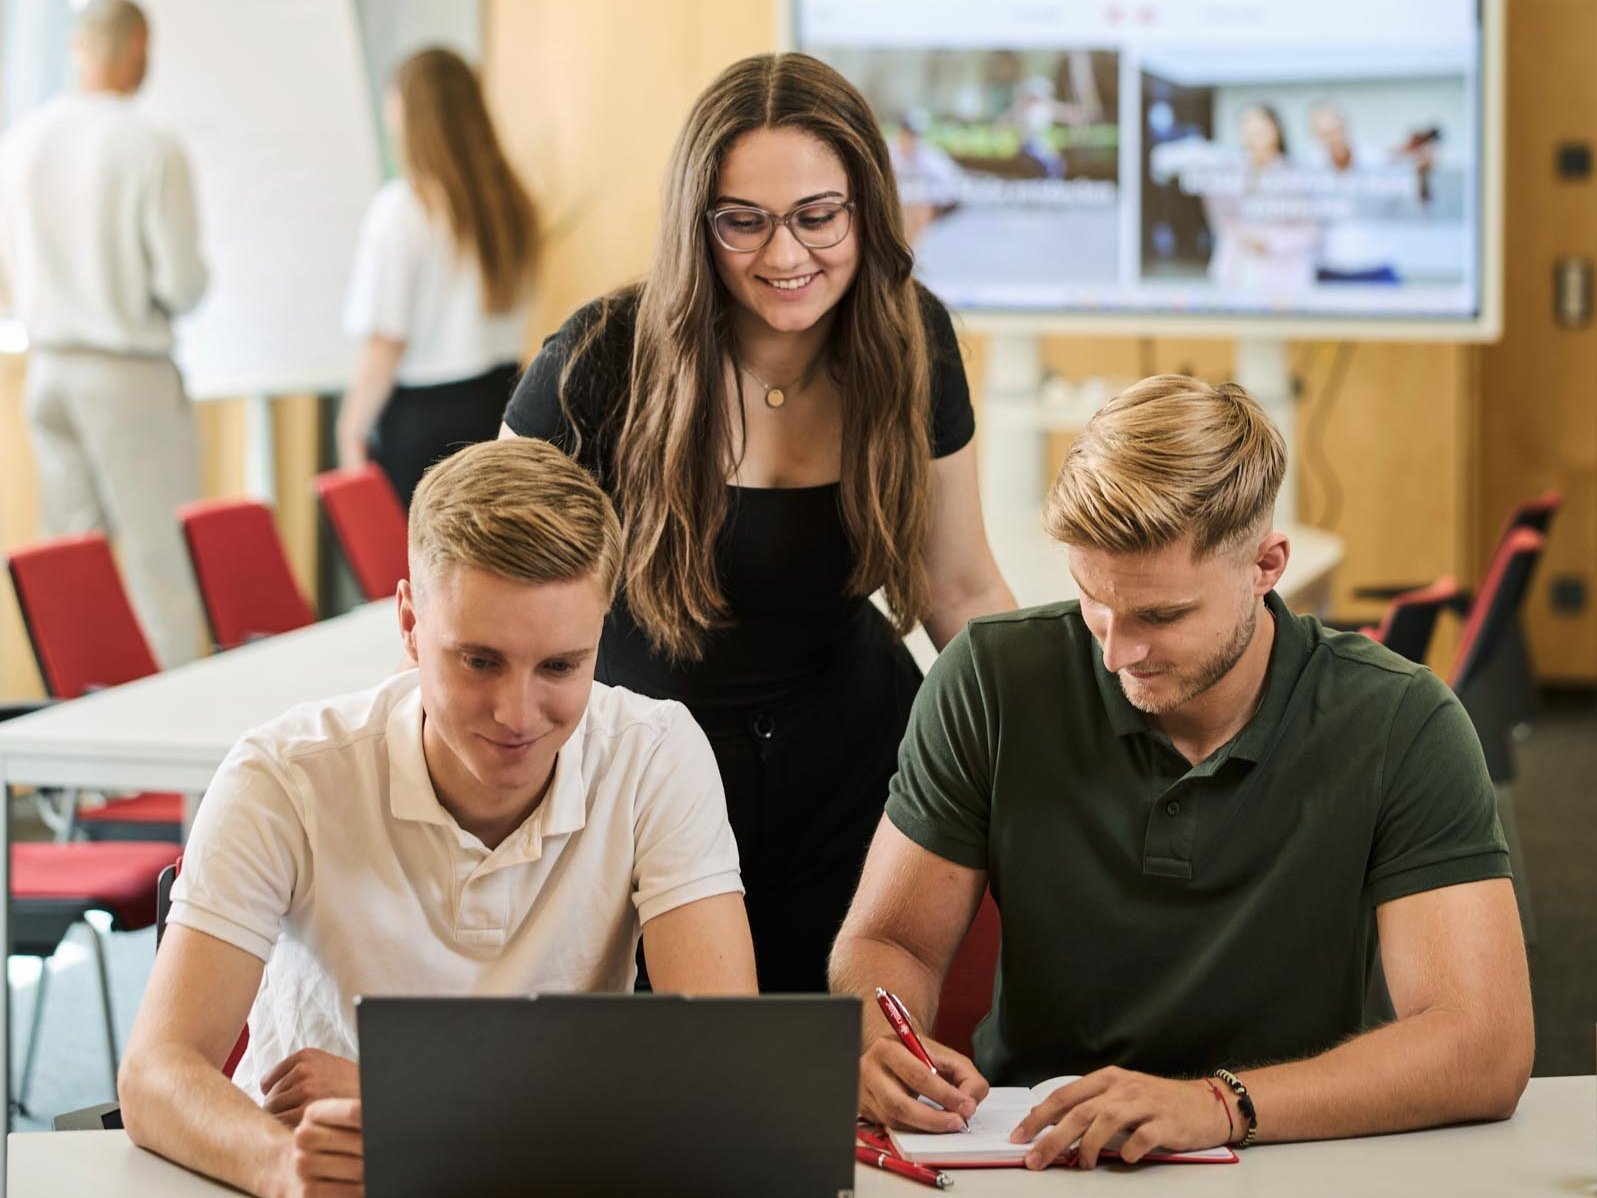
{"x": 964, "y": 576}
{"x": 364, "y": 401}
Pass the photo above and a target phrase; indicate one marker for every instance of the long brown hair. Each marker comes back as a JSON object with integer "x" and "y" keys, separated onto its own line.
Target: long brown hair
{"x": 453, "y": 154}
{"x": 676, "y": 437}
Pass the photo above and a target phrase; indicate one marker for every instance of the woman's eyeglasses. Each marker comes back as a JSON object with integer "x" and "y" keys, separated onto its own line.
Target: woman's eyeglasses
{"x": 816, "y": 226}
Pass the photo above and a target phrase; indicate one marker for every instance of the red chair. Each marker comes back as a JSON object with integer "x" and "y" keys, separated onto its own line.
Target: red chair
{"x": 1411, "y": 618}
{"x": 1514, "y": 678}
{"x": 243, "y": 574}
{"x": 968, "y": 989}
{"x": 1487, "y": 677}
{"x": 1485, "y": 646}
{"x": 54, "y": 886}
{"x": 369, "y": 523}
{"x": 85, "y": 637}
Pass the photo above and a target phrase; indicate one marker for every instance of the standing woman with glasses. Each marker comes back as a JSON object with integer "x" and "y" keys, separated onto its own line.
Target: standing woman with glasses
{"x": 782, "y": 417}
{"x": 442, "y": 274}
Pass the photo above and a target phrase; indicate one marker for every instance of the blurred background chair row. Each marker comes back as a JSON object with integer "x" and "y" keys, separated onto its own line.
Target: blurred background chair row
{"x": 109, "y": 851}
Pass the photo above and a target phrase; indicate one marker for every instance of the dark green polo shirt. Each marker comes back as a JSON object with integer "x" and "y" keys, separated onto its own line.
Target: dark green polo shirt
{"x": 1168, "y": 917}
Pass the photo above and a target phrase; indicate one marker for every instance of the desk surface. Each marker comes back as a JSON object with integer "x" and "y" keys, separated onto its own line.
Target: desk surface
{"x": 1549, "y": 1147}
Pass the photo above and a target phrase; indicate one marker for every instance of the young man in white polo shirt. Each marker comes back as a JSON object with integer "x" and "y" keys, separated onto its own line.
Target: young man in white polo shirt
{"x": 493, "y": 822}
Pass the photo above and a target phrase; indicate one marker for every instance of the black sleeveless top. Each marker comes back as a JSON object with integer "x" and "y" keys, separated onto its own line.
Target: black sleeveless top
{"x": 783, "y": 557}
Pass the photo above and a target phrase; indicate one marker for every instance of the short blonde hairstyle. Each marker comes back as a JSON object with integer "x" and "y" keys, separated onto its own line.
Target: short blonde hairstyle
{"x": 1167, "y": 458}
{"x": 518, "y": 508}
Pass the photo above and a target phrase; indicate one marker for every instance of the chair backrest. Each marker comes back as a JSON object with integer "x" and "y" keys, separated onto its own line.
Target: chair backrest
{"x": 243, "y": 573}
{"x": 163, "y": 897}
{"x": 1411, "y": 618}
{"x": 1535, "y": 514}
{"x": 82, "y": 627}
{"x": 968, "y": 989}
{"x": 1496, "y": 605}
{"x": 369, "y": 523}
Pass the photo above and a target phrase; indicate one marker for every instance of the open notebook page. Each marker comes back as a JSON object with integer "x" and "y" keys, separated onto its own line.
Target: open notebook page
{"x": 987, "y": 1141}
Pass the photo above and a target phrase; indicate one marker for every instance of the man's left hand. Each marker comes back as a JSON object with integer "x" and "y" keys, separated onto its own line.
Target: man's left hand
{"x": 302, "y": 1077}
{"x": 1149, "y": 1112}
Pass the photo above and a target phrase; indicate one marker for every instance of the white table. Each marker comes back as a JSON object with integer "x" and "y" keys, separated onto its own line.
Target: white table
{"x": 170, "y": 731}
{"x": 1548, "y": 1148}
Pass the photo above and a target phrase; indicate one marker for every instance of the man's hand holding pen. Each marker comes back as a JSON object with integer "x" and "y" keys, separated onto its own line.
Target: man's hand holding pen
{"x": 898, "y": 1067}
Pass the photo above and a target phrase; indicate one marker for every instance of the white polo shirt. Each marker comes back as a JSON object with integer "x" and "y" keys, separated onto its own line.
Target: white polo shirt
{"x": 321, "y": 848}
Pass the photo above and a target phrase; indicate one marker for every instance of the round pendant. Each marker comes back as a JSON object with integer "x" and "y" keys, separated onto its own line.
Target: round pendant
{"x": 775, "y": 398}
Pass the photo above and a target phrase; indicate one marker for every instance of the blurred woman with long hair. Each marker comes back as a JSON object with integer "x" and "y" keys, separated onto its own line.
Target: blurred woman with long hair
{"x": 441, "y": 282}
{"x": 782, "y": 416}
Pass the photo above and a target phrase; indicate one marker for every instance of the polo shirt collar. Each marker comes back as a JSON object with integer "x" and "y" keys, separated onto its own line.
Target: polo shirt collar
{"x": 1288, "y": 656}
{"x": 410, "y": 789}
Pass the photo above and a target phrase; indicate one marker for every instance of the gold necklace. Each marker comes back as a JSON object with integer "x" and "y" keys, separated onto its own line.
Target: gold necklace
{"x": 775, "y": 397}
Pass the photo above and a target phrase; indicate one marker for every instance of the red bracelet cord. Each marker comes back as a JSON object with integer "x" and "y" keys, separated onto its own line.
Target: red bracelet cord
{"x": 1230, "y": 1125}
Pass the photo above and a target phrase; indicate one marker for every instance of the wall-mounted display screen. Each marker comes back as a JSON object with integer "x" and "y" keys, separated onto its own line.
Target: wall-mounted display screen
{"x": 1185, "y": 158}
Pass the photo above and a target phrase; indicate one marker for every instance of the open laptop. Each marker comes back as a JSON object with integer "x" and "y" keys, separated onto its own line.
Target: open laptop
{"x": 609, "y": 1095}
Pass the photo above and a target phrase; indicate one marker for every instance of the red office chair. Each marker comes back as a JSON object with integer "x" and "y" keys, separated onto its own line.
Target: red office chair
{"x": 243, "y": 574}
{"x": 85, "y": 637}
{"x": 53, "y": 886}
{"x": 1486, "y": 680}
{"x": 1516, "y": 678}
{"x": 968, "y": 989}
{"x": 1411, "y": 618}
{"x": 369, "y": 523}
{"x": 1515, "y": 681}
{"x": 1489, "y": 631}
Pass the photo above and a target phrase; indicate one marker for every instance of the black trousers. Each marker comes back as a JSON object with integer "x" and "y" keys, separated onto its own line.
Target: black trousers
{"x": 420, "y": 425}
{"x": 805, "y": 784}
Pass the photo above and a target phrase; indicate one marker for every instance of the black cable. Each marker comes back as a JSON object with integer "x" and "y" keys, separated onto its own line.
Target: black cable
{"x": 1314, "y": 434}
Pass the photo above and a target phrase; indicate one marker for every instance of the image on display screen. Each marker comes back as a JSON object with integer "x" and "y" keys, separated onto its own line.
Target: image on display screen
{"x": 1201, "y": 157}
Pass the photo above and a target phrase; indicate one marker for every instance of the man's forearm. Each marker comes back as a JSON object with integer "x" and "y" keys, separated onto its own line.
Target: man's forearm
{"x": 860, "y": 964}
{"x": 178, "y": 1104}
{"x": 1431, "y": 1068}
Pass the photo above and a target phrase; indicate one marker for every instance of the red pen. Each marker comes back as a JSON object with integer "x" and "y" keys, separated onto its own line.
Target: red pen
{"x": 898, "y": 1016}
{"x": 893, "y": 1164}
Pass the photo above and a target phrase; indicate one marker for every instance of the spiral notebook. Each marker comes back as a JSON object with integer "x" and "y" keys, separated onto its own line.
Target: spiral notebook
{"x": 986, "y": 1144}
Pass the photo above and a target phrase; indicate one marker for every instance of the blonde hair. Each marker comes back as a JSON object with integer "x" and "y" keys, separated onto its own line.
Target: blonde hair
{"x": 462, "y": 175}
{"x": 1167, "y": 458}
{"x": 517, "y": 508}
{"x": 105, "y": 27}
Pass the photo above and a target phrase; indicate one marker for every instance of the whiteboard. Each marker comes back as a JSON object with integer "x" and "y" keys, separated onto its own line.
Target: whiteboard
{"x": 270, "y": 100}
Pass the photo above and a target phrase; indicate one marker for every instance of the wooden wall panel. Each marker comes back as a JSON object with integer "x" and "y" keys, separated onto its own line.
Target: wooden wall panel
{"x": 1538, "y": 418}
{"x": 588, "y": 99}
{"x": 19, "y": 488}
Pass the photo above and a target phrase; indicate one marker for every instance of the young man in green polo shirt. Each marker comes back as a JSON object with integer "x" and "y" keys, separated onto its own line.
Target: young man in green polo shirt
{"x": 1209, "y": 824}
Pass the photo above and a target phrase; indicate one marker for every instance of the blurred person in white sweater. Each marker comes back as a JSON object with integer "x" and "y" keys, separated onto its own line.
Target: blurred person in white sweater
{"x": 99, "y": 250}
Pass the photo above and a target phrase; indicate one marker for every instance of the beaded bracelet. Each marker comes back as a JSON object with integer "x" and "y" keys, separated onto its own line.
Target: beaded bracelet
{"x": 1244, "y": 1104}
